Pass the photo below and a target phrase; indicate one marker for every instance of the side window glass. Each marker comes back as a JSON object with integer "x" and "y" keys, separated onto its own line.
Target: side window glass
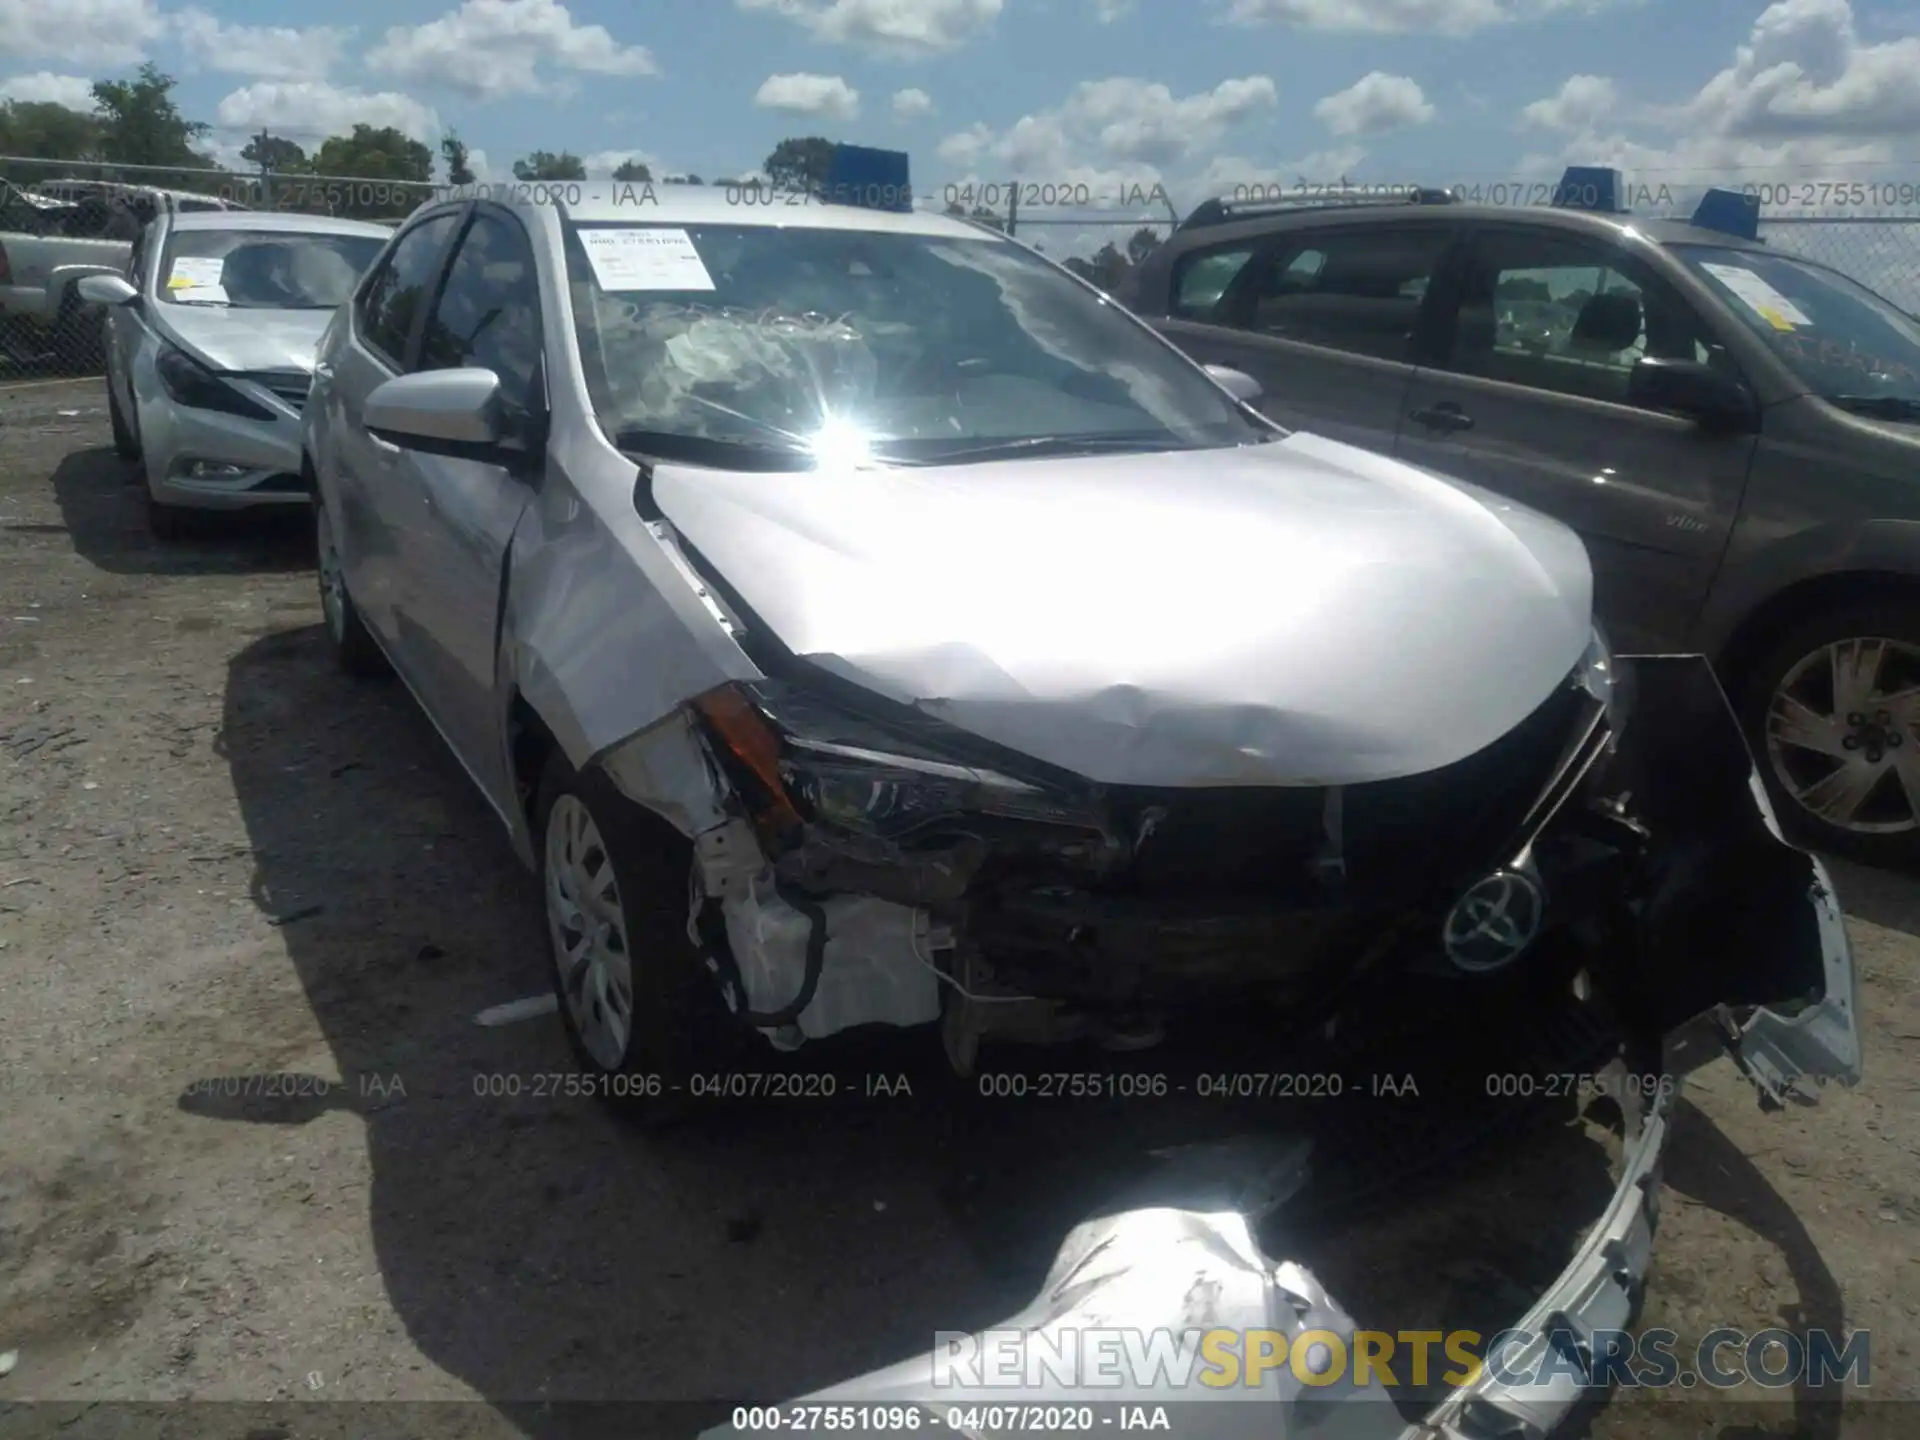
{"x": 1358, "y": 290}
{"x": 1200, "y": 280}
{"x": 1564, "y": 315}
{"x": 385, "y": 312}
{"x": 488, "y": 314}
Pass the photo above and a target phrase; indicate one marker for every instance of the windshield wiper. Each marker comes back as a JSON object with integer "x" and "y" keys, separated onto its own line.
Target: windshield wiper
{"x": 1065, "y": 444}
{"x": 706, "y": 450}
{"x": 1879, "y": 407}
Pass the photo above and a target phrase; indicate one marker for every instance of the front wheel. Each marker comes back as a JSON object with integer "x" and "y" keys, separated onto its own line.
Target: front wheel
{"x": 353, "y": 647}
{"x": 1833, "y": 713}
{"x": 642, "y": 1011}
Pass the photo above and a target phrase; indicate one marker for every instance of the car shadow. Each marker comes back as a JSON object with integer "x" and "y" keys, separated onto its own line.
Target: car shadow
{"x": 542, "y": 1251}
{"x": 102, "y": 507}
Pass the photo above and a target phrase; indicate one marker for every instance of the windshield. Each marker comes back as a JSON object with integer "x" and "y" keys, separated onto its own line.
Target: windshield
{"x": 1847, "y": 343}
{"x": 264, "y": 269}
{"x": 714, "y": 340}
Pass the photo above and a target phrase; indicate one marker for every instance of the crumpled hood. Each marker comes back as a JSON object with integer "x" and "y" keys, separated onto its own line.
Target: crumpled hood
{"x": 1298, "y": 613}
{"x": 239, "y": 339}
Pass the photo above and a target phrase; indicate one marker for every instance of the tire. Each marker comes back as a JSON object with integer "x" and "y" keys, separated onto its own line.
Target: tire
{"x": 591, "y": 840}
{"x": 354, "y": 649}
{"x": 1794, "y": 680}
{"x": 126, "y": 443}
{"x": 168, "y": 522}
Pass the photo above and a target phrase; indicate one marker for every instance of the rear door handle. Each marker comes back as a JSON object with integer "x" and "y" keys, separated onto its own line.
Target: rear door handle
{"x": 1445, "y": 416}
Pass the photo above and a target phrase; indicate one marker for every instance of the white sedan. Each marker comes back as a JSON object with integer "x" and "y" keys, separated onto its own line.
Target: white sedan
{"x": 210, "y": 345}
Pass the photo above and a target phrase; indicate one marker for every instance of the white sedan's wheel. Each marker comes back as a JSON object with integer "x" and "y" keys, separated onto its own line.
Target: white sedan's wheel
{"x": 588, "y": 932}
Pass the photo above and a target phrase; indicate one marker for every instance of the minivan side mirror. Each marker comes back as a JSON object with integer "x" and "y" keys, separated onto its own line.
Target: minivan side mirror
{"x": 455, "y": 413}
{"x": 107, "y": 290}
{"x": 1713, "y": 398}
{"x": 1237, "y": 383}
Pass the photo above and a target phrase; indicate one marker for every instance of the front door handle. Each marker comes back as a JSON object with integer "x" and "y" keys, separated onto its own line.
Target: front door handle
{"x": 1446, "y": 416}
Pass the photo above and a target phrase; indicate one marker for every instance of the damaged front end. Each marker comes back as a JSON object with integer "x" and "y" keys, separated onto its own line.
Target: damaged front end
{"x": 861, "y": 863}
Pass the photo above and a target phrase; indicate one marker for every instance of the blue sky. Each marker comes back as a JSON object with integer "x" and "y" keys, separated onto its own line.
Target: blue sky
{"x": 1101, "y": 94}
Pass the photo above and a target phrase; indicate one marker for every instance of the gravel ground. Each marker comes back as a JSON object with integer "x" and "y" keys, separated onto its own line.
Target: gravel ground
{"x": 249, "y": 911}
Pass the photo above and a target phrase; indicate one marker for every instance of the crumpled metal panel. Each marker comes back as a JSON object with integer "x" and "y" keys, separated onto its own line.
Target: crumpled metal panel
{"x": 1300, "y": 613}
{"x": 605, "y": 632}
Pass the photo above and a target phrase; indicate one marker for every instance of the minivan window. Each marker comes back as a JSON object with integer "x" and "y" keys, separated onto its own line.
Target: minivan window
{"x": 1200, "y": 280}
{"x": 911, "y": 348}
{"x": 1846, "y": 343}
{"x": 1357, "y": 290}
{"x": 1562, "y": 313}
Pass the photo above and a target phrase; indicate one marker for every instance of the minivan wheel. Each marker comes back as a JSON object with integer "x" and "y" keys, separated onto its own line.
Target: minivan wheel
{"x": 642, "y": 1012}
{"x": 354, "y": 649}
{"x": 1833, "y": 713}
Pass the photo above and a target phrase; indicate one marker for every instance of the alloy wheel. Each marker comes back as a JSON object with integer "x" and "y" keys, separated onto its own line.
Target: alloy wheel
{"x": 1843, "y": 735}
{"x": 588, "y": 932}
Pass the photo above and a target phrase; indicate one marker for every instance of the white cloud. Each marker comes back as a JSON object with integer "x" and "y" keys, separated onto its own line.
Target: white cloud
{"x": 1228, "y": 175}
{"x": 109, "y": 34}
{"x": 1580, "y": 103}
{"x": 1121, "y": 127}
{"x": 489, "y": 48}
{"x": 1108, "y": 11}
{"x": 309, "y": 111}
{"x": 913, "y": 27}
{"x": 602, "y": 163}
{"x": 1373, "y": 104}
{"x": 73, "y": 91}
{"x": 1405, "y": 17}
{"x": 909, "y": 104}
{"x": 269, "y": 52}
{"x": 1804, "y": 98}
{"x": 827, "y": 96}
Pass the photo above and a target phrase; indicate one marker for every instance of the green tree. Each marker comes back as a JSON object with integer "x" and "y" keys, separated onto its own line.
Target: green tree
{"x": 46, "y": 131}
{"x": 634, "y": 170}
{"x": 459, "y": 159}
{"x": 141, "y": 125}
{"x": 800, "y": 164}
{"x": 546, "y": 165}
{"x": 688, "y": 179}
{"x": 373, "y": 155}
{"x": 275, "y": 153}
{"x": 1142, "y": 243}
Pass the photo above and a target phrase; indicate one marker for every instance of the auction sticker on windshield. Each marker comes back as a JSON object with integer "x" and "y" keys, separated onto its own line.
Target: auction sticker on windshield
{"x": 636, "y": 258}
{"x": 197, "y": 277}
{"x": 1760, "y": 297}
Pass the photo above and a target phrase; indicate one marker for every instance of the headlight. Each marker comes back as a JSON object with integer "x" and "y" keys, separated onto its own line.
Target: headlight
{"x": 193, "y": 385}
{"x": 814, "y": 762}
{"x": 1600, "y": 677}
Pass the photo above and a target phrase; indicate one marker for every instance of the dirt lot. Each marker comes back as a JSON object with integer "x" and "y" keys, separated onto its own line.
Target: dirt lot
{"x": 220, "y": 859}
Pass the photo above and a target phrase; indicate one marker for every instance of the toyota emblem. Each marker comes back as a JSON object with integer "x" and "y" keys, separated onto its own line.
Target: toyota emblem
{"x": 1495, "y": 921}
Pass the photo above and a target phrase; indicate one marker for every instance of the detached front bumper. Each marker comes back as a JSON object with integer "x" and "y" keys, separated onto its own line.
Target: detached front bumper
{"x": 1716, "y": 915}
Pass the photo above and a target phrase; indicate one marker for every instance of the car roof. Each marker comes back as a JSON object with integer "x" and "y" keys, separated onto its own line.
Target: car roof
{"x": 1587, "y": 222}
{"x": 603, "y": 202}
{"x": 259, "y": 220}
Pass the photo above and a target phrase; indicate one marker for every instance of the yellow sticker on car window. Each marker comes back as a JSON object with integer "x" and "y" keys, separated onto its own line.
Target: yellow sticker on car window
{"x": 1774, "y": 318}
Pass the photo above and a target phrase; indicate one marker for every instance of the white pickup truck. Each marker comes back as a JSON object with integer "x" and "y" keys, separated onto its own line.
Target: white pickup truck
{"x": 53, "y": 235}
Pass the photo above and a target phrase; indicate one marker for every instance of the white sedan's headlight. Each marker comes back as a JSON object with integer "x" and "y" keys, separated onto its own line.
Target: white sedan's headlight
{"x": 1598, "y": 676}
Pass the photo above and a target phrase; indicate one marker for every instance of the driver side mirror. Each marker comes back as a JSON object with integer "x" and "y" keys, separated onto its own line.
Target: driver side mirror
{"x": 455, "y": 413}
{"x": 1237, "y": 383}
{"x": 1711, "y": 397}
{"x": 107, "y": 290}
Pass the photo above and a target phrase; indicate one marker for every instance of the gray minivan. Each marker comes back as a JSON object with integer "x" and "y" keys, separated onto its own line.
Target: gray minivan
{"x": 1733, "y": 430}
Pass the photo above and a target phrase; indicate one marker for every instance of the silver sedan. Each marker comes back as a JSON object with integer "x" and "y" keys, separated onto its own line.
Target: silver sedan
{"x": 210, "y": 345}
{"x": 855, "y": 619}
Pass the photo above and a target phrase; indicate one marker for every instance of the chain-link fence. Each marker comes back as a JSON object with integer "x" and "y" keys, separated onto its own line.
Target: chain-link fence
{"x": 61, "y": 220}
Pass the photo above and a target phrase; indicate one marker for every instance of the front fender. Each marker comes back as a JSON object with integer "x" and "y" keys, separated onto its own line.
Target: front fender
{"x": 1818, "y": 552}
